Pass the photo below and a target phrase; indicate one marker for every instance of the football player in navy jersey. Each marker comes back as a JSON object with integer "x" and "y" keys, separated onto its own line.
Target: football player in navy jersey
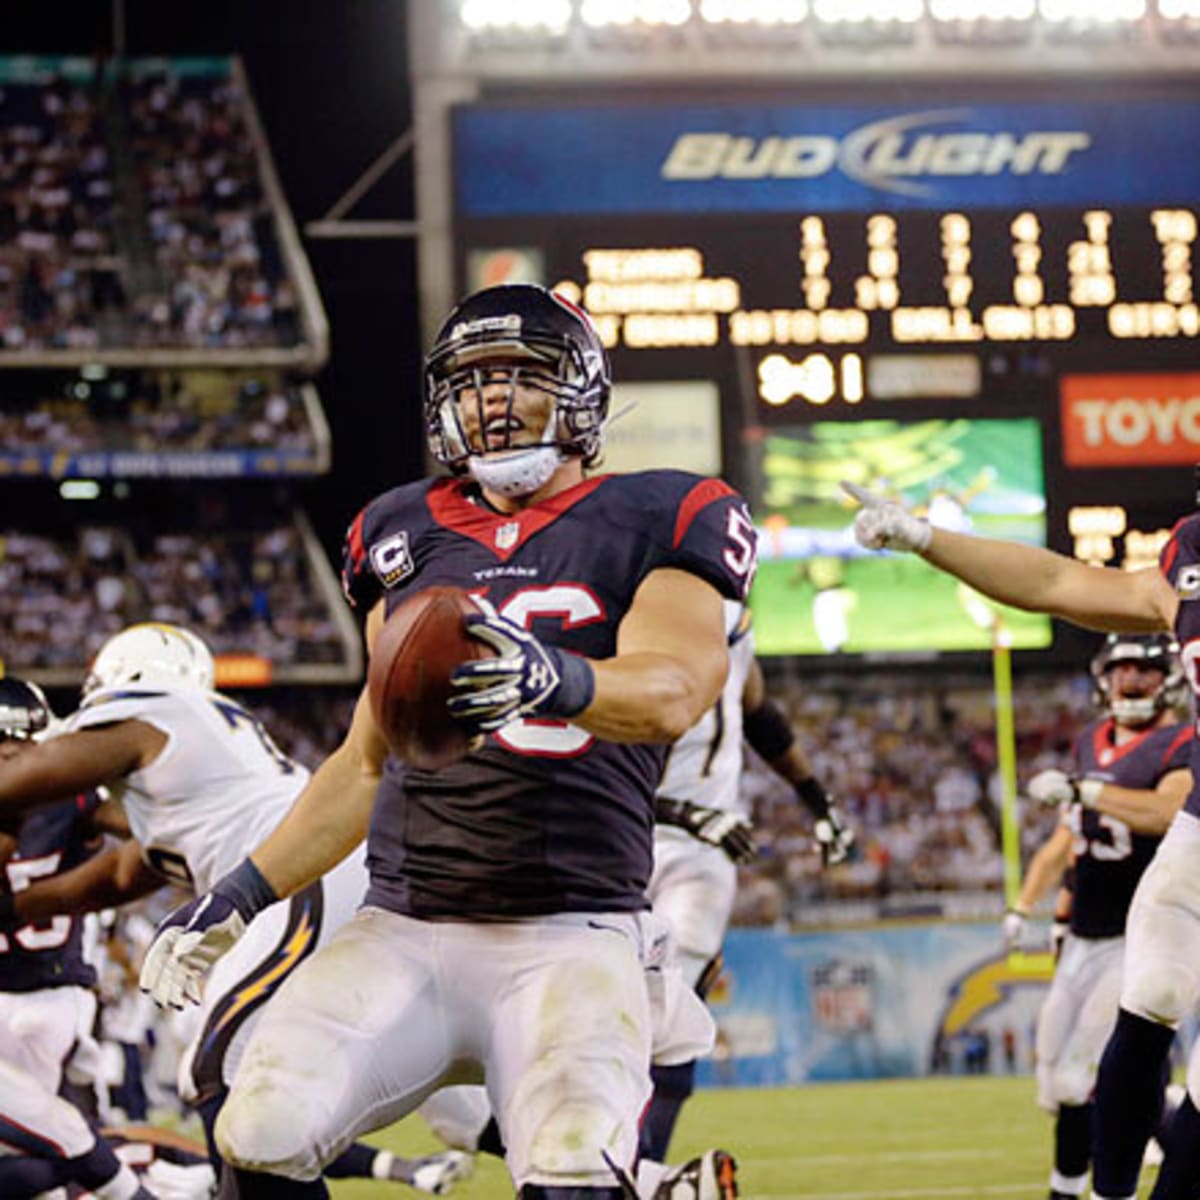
{"x": 47, "y": 1002}
{"x": 505, "y": 935}
{"x": 1130, "y": 776}
{"x": 1161, "y": 975}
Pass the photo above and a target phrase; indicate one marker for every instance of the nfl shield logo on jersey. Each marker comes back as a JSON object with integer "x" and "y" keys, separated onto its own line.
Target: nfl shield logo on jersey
{"x": 507, "y": 534}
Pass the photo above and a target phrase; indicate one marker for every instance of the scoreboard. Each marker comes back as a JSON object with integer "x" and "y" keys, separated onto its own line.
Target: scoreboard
{"x": 955, "y": 271}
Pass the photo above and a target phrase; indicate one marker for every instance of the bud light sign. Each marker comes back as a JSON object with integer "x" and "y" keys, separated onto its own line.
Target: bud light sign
{"x": 512, "y": 160}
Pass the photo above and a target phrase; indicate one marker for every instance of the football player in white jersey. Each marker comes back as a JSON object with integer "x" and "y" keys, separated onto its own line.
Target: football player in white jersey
{"x": 703, "y": 831}
{"x": 199, "y": 780}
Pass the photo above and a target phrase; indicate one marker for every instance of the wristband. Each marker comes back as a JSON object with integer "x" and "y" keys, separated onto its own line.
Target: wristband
{"x": 668, "y": 811}
{"x": 247, "y": 889}
{"x": 814, "y": 796}
{"x": 576, "y": 685}
{"x": 1089, "y": 791}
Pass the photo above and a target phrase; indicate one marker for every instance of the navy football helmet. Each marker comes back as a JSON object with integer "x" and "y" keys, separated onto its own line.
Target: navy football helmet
{"x": 1157, "y": 650}
{"x": 510, "y": 325}
{"x": 24, "y": 712}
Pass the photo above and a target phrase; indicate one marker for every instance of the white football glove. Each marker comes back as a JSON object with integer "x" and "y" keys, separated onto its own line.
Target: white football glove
{"x": 835, "y": 839}
{"x": 1014, "y": 926}
{"x": 883, "y": 524}
{"x": 1053, "y": 787}
{"x": 185, "y": 945}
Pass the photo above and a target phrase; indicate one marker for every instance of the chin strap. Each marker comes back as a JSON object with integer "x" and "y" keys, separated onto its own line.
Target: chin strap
{"x": 517, "y": 473}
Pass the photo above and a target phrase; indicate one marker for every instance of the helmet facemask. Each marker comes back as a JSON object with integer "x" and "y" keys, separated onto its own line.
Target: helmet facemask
{"x": 544, "y": 346}
{"x": 1153, "y": 652}
{"x": 25, "y": 714}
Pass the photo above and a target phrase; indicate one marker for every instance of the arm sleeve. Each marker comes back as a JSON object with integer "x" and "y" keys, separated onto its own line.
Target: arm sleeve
{"x": 713, "y": 536}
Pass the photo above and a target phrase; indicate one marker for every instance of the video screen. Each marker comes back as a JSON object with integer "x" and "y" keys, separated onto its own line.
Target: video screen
{"x": 819, "y": 592}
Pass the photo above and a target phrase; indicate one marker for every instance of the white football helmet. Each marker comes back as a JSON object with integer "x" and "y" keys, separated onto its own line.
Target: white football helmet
{"x": 154, "y": 654}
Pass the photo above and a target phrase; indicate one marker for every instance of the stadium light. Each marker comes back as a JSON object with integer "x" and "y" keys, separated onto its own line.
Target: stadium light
{"x": 753, "y": 12}
{"x": 859, "y": 12}
{"x": 1092, "y": 12}
{"x": 982, "y": 10}
{"x": 516, "y": 16}
{"x": 599, "y": 14}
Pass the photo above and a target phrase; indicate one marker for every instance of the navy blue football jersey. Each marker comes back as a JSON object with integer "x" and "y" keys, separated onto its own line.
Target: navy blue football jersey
{"x": 1180, "y": 565}
{"x": 49, "y": 953}
{"x": 1109, "y": 856}
{"x": 544, "y": 817}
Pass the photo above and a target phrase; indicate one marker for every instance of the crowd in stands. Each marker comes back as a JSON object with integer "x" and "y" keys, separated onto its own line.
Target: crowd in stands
{"x": 247, "y": 592}
{"x": 132, "y": 213}
{"x": 184, "y": 413}
{"x": 914, "y": 768}
{"x": 208, "y": 218}
{"x": 59, "y": 265}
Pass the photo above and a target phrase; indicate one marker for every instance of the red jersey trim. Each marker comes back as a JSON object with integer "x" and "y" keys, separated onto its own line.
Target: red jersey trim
{"x": 1104, "y": 744}
{"x": 699, "y": 498}
{"x": 1184, "y": 735}
{"x": 1171, "y": 549}
{"x": 354, "y": 539}
{"x": 501, "y": 533}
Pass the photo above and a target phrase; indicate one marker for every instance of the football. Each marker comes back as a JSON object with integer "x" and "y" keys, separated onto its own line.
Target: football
{"x": 408, "y": 679}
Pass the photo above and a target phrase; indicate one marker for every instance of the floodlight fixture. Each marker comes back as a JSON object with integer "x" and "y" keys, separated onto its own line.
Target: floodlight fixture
{"x": 753, "y": 12}
{"x": 599, "y": 14}
{"x": 1092, "y": 12}
{"x": 982, "y": 10}
{"x": 859, "y": 12}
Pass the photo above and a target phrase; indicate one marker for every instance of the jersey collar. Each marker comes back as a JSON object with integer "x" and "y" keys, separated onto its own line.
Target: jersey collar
{"x": 501, "y": 533}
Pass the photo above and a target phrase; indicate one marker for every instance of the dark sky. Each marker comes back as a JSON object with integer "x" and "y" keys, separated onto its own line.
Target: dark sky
{"x": 330, "y": 81}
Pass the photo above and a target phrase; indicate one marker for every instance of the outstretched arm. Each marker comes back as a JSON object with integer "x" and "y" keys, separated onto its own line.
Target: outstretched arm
{"x": 1039, "y": 580}
{"x": 1020, "y": 575}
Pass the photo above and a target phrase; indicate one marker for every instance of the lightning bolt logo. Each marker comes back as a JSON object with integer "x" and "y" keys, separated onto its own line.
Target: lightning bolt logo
{"x": 990, "y": 983}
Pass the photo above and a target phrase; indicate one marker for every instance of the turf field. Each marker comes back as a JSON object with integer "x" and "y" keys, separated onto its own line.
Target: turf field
{"x": 888, "y": 1140}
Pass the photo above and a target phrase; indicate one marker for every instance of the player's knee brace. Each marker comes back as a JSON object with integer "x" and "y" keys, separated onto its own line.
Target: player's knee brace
{"x": 257, "y": 1132}
{"x": 1163, "y": 991}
